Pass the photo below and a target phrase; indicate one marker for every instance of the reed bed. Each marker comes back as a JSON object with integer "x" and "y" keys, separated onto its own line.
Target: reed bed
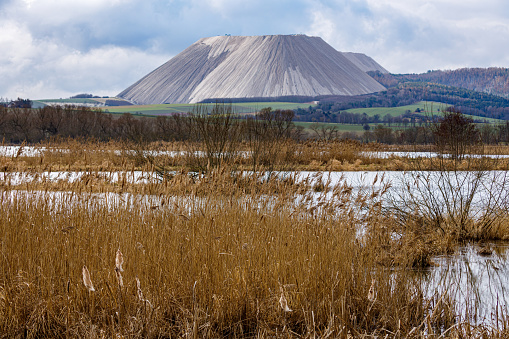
{"x": 228, "y": 256}
{"x": 91, "y": 155}
{"x": 220, "y": 253}
{"x": 310, "y": 155}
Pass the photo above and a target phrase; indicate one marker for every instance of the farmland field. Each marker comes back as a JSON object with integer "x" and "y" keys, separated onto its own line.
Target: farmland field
{"x": 355, "y": 128}
{"x": 339, "y": 127}
{"x": 426, "y": 107}
{"x": 69, "y": 101}
{"x": 240, "y": 108}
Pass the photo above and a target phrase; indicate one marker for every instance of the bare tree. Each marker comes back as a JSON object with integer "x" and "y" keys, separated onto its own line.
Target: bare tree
{"x": 267, "y": 135}
{"x": 49, "y": 120}
{"x": 4, "y": 118}
{"x": 457, "y": 192}
{"x": 325, "y": 132}
{"x": 21, "y": 121}
{"x": 455, "y": 134}
{"x": 218, "y": 130}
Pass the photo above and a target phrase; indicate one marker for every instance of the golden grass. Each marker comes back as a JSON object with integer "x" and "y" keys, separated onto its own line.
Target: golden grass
{"x": 219, "y": 255}
{"x": 346, "y": 155}
{"x": 213, "y": 265}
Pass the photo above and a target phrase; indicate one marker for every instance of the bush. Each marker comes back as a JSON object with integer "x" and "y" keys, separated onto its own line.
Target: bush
{"x": 461, "y": 195}
{"x": 455, "y": 134}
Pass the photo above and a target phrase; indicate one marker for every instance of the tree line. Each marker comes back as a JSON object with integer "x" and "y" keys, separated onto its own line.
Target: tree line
{"x": 18, "y": 124}
{"x": 492, "y": 80}
{"x": 422, "y": 132}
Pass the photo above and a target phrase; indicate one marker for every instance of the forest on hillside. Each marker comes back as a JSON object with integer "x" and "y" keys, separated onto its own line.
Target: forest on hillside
{"x": 467, "y": 101}
{"x": 493, "y": 80}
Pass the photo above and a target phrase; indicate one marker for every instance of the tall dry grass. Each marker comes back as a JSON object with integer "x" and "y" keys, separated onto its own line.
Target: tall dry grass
{"x": 221, "y": 254}
{"x": 227, "y": 257}
{"x": 91, "y": 155}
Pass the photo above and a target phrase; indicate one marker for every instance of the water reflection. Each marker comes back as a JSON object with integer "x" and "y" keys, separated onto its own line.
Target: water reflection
{"x": 477, "y": 278}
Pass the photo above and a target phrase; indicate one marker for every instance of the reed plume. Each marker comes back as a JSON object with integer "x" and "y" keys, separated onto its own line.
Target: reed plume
{"x": 86, "y": 279}
{"x": 283, "y": 302}
{"x": 119, "y": 278}
{"x": 138, "y": 290}
{"x": 140, "y": 293}
{"x": 372, "y": 293}
{"x": 119, "y": 260}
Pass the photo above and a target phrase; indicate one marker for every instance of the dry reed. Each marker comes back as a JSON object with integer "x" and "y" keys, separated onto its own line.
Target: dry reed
{"x": 219, "y": 255}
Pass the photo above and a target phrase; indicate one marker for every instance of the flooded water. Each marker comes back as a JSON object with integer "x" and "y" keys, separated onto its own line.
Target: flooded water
{"x": 414, "y": 155}
{"x": 135, "y": 177}
{"x": 477, "y": 277}
{"x": 25, "y": 151}
{"x": 35, "y": 151}
{"x": 445, "y": 187}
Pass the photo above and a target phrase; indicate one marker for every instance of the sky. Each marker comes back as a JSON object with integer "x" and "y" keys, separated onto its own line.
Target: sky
{"x": 59, "y": 48}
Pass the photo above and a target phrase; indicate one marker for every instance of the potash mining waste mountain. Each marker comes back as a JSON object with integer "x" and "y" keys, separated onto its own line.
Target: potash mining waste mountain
{"x": 243, "y": 67}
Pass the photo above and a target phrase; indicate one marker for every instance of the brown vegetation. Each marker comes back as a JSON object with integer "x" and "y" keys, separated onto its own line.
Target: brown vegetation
{"x": 218, "y": 256}
{"x": 231, "y": 251}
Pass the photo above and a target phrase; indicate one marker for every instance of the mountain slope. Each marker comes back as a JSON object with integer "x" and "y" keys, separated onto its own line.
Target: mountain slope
{"x": 365, "y": 62}
{"x": 252, "y": 67}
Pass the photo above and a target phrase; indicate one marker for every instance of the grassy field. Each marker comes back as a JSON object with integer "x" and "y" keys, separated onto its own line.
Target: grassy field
{"x": 339, "y": 127}
{"x": 252, "y": 107}
{"x": 240, "y": 108}
{"x": 69, "y": 101}
{"x": 355, "y": 128}
{"x": 426, "y": 108}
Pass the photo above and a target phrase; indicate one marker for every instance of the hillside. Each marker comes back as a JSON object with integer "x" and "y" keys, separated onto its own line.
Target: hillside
{"x": 478, "y": 104}
{"x": 364, "y": 62}
{"x": 268, "y": 66}
{"x": 492, "y": 80}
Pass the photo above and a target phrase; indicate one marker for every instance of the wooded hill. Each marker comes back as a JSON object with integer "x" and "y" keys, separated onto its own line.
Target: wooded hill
{"x": 482, "y": 92}
{"x": 493, "y": 80}
{"x": 467, "y": 101}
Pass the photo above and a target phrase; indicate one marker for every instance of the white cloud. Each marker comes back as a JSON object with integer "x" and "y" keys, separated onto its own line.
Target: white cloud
{"x": 41, "y": 68}
{"x": 414, "y": 36}
{"x": 16, "y": 47}
{"x": 322, "y": 26}
{"x": 59, "y": 47}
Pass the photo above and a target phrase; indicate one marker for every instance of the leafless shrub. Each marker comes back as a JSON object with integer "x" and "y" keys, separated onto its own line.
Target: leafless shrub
{"x": 455, "y": 135}
{"x": 460, "y": 192}
{"x": 268, "y": 136}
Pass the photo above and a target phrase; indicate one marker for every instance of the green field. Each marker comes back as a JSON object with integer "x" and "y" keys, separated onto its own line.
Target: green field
{"x": 165, "y": 109}
{"x": 69, "y": 101}
{"x": 426, "y": 107}
{"x": 339, "y": 127}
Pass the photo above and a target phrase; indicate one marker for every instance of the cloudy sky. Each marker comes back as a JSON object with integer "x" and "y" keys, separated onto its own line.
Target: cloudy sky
{"x": 58, "y": 48}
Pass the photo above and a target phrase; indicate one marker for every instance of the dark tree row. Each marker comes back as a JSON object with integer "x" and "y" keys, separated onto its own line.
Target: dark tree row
{"x": 19, "y": 124}
{"x": 440, "y": 132}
